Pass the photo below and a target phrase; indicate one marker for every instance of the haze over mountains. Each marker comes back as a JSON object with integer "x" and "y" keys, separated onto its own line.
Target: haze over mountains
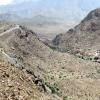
{"x": 65, "y": 18}
{"x": 51, "y": 8}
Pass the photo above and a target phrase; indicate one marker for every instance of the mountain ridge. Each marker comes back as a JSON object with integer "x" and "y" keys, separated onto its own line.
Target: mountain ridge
{"x": 82, "y": 38}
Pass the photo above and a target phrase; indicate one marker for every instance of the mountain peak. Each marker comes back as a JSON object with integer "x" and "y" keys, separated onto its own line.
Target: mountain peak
{"x": 93, "y": 14}
{"x": 84, "y": 38}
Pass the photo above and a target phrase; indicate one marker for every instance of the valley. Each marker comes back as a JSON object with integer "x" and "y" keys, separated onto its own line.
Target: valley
{"x": 64, "y": 75}
{"x": 43, "y": 57}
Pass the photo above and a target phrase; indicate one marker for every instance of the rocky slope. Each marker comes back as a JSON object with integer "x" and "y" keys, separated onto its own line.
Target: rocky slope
{"x": 16, "y": 84}
{"x": 84, "y": 39}
{"x": 64, "y": 76}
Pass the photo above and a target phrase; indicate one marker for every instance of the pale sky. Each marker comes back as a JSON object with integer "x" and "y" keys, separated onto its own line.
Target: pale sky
{"x": 5, "y": 2}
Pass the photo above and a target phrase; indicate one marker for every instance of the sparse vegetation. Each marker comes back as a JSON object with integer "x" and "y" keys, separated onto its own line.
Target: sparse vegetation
{"x": 53, "y": 88}
{"x": 65, "y": 98}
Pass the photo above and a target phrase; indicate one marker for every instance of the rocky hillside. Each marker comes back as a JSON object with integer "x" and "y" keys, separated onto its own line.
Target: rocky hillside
{"x": 63, "y": 76}
{"x": 17, "y": 84}
{"x": 84, "y": 39}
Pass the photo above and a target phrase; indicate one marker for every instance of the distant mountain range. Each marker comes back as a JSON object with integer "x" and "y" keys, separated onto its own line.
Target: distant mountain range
{"x": 47, "y": 17}
{"x": 9, "y": 17}
{"x": 38, "y": 20}
{"x": 59, "y": 8}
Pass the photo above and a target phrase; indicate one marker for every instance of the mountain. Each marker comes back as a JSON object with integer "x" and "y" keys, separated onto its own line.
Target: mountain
{"x": 83, "y": 39}
{"x": 9, "y": 17}
{"x": 45, "y": 26}
{"x": 39, "y": 21}
{"x": 57, "y": 8}
{"x": 60, "y": 76}
{"x": 23, "y": 49}
{"x": 66, "y": 14}
{"x": 47, "y": 18}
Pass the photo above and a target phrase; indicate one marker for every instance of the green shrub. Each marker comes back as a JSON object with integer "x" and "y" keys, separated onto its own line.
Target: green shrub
{"x": 65, "y": 98}
{"x": 53, "y": 88}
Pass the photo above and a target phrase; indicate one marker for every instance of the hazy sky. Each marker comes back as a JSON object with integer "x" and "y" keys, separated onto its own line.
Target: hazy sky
{"x": 83, "y": 3}
{"x": 6, "y": 2}
{"x": 65, "y": 8}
